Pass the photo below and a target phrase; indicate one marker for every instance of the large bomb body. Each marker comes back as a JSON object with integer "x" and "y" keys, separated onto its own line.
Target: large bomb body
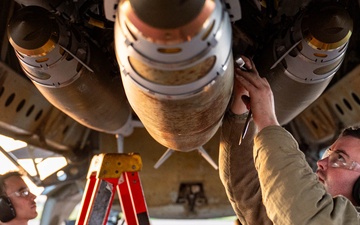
{"x": 71, "y": 72}
{"x": 177, "y": 67}
{"x": 301, "y": 64}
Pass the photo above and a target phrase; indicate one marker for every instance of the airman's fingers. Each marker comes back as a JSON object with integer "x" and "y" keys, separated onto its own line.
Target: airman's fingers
{"x": 248, "y": 63}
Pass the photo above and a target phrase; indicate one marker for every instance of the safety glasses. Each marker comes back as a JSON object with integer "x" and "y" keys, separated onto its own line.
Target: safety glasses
{"x": 22, "y": 193}
{"x": 339, "y": 159}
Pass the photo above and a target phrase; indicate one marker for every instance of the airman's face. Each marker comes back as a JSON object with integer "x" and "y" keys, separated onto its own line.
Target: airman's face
{"x": 338, "y": 180}
{"x": 25, "y": 206}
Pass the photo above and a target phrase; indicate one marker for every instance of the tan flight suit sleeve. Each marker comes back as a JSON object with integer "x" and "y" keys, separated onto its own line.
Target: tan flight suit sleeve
{"x": 238, "y": 173}
{"x": 291, "y": 191}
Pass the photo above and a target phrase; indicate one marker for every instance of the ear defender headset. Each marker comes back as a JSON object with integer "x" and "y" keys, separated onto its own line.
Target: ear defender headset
{"x": 7, "y": 210}
{"x": 356, "y": 192}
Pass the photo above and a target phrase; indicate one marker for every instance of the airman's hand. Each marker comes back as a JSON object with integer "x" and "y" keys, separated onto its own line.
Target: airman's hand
{"x": 261, "y": 96}
{"x": 240, "y": 102}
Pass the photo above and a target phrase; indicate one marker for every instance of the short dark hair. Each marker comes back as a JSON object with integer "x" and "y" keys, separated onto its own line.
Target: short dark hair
{"x": 353, "y": 131}
{"x": 5, "y": 176}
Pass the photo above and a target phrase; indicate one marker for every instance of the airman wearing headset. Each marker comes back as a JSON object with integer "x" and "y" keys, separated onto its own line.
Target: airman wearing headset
{"x": 267, "y": 178}
{"x": 17, "y": 203}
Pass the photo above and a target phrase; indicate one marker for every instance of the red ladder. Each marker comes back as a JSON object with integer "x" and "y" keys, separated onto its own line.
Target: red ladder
{"x": 109, "y": 172}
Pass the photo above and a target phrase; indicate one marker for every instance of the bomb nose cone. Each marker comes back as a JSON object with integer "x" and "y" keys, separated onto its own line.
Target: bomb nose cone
{"x": 32, "y": 28}
{"x": 330, "y": 25}
{"x": 167, "y": 14}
